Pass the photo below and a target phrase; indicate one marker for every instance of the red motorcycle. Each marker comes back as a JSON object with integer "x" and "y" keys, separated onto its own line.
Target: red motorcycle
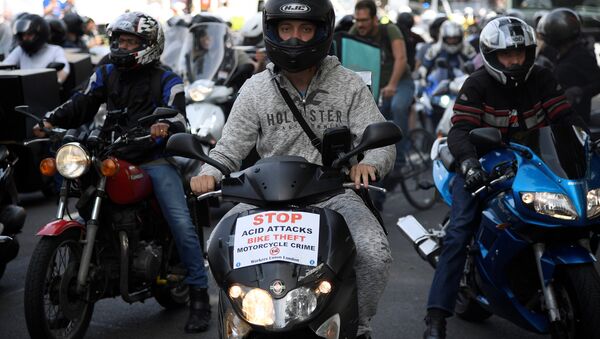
{"x": 125, "y": 248}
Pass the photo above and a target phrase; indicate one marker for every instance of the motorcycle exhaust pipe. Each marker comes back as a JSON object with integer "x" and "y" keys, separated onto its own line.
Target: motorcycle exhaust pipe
{"x": 424, "y": 241}
{"x": 124, "y": 276}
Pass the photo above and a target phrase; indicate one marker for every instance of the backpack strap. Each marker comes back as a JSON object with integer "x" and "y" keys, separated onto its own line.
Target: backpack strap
{"x": 314, "y": 140}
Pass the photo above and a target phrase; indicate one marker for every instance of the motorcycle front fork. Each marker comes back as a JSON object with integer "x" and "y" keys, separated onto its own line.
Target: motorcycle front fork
{"x": 90, "y": 237}
{"x": 549, "y": 295}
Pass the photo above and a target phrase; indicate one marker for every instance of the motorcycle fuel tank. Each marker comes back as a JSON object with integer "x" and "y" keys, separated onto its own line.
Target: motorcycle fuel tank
{"x": 131, "y": 184}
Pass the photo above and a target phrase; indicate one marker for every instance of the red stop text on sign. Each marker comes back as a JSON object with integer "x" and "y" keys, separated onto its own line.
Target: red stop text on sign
{"x": 282, "y": 217}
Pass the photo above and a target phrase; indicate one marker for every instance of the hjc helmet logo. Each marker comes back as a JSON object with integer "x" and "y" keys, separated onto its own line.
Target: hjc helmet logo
{"x": 294, "y": 8}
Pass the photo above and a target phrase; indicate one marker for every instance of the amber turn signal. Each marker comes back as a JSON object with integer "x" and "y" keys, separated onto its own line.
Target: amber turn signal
{"x": 48, "y": 167}
{"x": 109, "y": 167}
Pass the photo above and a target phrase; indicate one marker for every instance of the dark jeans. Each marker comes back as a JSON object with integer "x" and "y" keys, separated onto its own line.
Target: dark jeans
{"x": 464, "y": 218}
{"x": 171, "y": 198}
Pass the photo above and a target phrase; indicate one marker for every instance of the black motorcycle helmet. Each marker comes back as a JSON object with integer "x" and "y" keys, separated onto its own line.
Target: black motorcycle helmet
{"x": 405, "y": 19}
{"x": 58, "y": 31}
{"x": 294, "y": 55}
{"x": 344, "y": 24}
{"x": 506, "y": 33}
{"x": 558, "y": 27}
{"x": 434, "y": 28}
{"x": 74, "y": 24}
{"x": 31, "y": 24}
{"x": 142, "y": 26}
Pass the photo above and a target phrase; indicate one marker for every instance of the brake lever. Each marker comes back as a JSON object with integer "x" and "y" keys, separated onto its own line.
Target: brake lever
{"x": 491, "y": 183}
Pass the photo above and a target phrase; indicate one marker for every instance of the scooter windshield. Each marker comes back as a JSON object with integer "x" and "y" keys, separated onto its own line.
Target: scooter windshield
{"x": 207, "y": 53}
{"x": 174, "y": 40}
{"x": 561, "y": 147}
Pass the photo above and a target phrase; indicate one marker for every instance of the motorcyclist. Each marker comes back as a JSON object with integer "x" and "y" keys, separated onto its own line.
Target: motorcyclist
{"x": 75, "y": 31}
{"x": 451, "y": 46}
{"x": 405, "y": 21}
{"x": 135, "y": 81}
{"x": 58, "y": 31}
{"x": 512, "y": 94}
{"x": 575, "y": 67}
{"x": 32, "y": 34}
{"x": 297, "y": 44}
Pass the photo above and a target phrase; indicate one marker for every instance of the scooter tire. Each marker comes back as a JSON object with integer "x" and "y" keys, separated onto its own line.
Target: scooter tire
{"x": 2, "y": 269}
{"x": 38, "y": 324}
{"x": 582, "y": 286}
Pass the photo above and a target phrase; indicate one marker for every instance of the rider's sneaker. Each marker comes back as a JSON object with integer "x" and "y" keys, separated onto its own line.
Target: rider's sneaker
{"x": 436, "y": 324}
{"x": 199, "y": 311}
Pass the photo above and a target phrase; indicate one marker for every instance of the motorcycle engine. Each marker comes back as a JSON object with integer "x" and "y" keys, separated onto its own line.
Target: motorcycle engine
{"x": 146, "y": 261}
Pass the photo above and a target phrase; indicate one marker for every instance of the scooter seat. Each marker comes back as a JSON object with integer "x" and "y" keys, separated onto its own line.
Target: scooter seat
{"x": 447, "y": 159}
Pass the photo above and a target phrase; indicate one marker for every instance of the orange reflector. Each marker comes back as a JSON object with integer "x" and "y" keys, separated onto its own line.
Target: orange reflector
{"x": 503, "y": 226}
{"x": 48, "y": 167}
{"x": 109, "y": 167}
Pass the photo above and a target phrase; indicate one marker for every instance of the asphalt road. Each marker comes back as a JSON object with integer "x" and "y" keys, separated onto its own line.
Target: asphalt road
{"x": 401, "y": 309}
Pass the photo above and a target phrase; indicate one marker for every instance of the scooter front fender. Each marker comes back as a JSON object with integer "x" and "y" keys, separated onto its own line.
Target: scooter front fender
{"x": 57, "y": 227}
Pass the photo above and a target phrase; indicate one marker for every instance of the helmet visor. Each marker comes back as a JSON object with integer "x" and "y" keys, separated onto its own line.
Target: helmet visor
{"x": 22, "y": 26}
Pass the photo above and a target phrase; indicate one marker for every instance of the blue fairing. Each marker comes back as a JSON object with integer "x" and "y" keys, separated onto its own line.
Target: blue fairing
{"x": 503, "y": 237}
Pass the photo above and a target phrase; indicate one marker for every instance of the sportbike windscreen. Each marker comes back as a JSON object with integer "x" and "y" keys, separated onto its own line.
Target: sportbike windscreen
{"x": 561, "y": 147}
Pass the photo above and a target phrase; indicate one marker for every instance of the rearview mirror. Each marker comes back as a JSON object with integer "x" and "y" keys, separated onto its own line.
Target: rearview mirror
{"x": 376, "y": 135}
{"x": 487, "y": 137}
{"x": 190, "y": 146}
{"x": 160, "y": 113}
{"x": 58, "y": 66}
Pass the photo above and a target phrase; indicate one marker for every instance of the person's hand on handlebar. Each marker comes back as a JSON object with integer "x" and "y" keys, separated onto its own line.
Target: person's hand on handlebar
{"x": 203, "y": 184}
{"x": 39, "y": 132}
{"x": 361, "y": 173}
{"x": 159, "y": 130}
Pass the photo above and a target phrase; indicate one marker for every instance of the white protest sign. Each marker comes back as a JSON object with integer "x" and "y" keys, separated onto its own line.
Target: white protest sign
{"x": 276, "y": 236}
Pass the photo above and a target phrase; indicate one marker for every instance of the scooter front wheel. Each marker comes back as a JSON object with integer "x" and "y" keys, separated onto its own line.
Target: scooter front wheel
{"x": 53, "y": 308}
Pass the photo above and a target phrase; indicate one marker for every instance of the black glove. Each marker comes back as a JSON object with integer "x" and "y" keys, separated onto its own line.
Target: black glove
{"x": 475, "y": 176}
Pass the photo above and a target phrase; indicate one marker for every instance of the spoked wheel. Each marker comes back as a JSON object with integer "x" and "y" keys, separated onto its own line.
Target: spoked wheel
{"x": 53, "y": 308}
{"x": 417, "y": 177}
{"x": 577, "y": 291}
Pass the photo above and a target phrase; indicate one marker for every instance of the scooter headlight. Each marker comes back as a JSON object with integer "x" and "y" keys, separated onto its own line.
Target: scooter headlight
{"x": 555, "y": 205}
{"x": 593, "y": 203}
{"x": 259, "y": 308}
{"x": 72, "y": 160}
{"x": 200, "y": 90}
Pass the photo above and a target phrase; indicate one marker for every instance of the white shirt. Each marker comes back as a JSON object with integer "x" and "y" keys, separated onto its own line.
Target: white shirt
{"x": 47, "y": 54}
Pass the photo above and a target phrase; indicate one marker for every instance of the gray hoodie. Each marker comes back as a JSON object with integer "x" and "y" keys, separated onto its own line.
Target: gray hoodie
{"x": 335, "y": 97}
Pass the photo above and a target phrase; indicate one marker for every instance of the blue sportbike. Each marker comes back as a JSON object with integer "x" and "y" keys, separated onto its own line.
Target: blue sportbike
{"x": 531, "y": 259}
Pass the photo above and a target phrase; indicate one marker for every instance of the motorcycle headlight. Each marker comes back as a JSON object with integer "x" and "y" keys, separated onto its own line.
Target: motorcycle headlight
{"x": 444, "y": 101}
{"x": 259, "y": 308}
{"x": 593, "y": 203}
{"x": 200, "y": 90}
{"x": 555, "y": 205}
{"x": 72, "y": 161}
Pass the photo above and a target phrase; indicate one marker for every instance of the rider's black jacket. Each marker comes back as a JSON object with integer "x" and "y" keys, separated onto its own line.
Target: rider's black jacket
{"x": 485, "y": 102}
{"x": 578, "y": 68}
{"x": 139, "y": 91}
